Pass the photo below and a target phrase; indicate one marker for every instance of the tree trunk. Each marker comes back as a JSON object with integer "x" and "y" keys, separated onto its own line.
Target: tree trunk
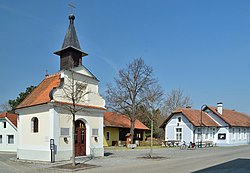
{"x": 73, "y": 141}
{"x": 132, "y": 129}
{"x": 151, "y": 140}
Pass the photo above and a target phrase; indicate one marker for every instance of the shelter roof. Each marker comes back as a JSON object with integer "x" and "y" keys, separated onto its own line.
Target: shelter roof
{"x": 112, "y": 119}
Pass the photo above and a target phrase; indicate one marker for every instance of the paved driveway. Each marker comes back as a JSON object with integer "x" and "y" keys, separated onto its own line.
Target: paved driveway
{"x": 207, "y": 160}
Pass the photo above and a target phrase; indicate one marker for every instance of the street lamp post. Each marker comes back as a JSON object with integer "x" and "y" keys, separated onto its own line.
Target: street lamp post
{"x": 202, "y": 107}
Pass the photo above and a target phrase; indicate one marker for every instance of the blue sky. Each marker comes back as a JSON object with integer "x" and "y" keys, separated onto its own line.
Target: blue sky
{"x": 201, "y": 47}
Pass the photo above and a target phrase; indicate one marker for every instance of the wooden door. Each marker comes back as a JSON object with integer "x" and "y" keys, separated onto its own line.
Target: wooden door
{"x": 80, "y": 139}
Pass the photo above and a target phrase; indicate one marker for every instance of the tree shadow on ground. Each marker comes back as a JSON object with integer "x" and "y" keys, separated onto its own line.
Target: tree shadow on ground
{"x": 106, "y": 154}
{"x": 77, "y": 167}
{"x": 237, "y": 166}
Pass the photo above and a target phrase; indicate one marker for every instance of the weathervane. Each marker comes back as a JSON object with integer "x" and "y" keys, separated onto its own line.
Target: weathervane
{"x": 71, "y": 6}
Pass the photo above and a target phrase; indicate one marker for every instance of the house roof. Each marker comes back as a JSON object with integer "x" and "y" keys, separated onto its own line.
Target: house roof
{"x": 112, "y": 119}
{"x": 194, "y": 117}
{"x": 10, "y": 116}
{"x": 40, "y": 94}
{"x": 231, "y": 117}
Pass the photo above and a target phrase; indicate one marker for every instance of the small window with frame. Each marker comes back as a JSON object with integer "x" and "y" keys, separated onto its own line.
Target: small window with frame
{"x": 34, "y": 125}
{"x": 108, "y": 136}
{"x": 179, "y": 119}
{"x": 10, "y": 139}
{"x": 1, "y": 139}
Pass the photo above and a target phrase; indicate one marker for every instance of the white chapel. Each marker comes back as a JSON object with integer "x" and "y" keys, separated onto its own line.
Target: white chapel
{"x": 44, "y": 118}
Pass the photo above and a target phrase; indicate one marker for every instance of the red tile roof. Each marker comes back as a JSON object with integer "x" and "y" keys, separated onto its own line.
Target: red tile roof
{"x": 112, "y": 119}
{"x": 10, "y": 116}
{"x": 40, "y": 94}
{"x": 233, "y": 118}
{"x": 194, "y": 117}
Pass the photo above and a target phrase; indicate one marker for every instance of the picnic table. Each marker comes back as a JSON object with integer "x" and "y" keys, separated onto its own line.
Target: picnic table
{"x": 170, "y": 143}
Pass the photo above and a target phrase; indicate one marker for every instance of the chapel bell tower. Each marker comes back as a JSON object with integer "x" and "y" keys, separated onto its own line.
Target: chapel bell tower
{"x": 71, "y": 53}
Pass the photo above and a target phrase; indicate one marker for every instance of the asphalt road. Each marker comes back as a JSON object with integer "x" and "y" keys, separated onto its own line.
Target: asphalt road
{"x": 207, "y": 160}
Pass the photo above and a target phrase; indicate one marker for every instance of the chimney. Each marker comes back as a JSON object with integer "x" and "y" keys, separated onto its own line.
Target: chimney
{"x": 219, "y": 107}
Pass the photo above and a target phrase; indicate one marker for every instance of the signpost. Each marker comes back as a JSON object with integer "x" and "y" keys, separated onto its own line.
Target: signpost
{"x": 52, "y": 151}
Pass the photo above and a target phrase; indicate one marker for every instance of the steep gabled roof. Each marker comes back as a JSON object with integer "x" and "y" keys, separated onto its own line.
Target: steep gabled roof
{"x": 231, "y": 117}
{"x": 10, "y": 116}
{"x": 194, "y": 117}
{"x": 40, "y": 94}
{"x": 112, "y": 119}
{"x": 71, "y": 39}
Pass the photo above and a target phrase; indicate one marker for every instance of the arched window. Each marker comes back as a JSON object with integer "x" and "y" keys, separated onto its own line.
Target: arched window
{"x": 34, "y": 124}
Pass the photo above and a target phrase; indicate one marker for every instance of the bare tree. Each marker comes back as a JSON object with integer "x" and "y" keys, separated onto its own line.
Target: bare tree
{"x": 74, "y": 93}
{"x": 127, "y": 94}
{"x": 175, "y": 99}
{"x": 5, "y": 107}
{"x": 151, "y": 106}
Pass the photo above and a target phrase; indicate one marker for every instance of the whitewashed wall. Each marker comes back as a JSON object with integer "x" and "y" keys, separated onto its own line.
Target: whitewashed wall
{"x": 9, "y": 130}
{"x": 187, "y": 128}
{"x": 34, "y": 146}
{"x": 190, "y": 133}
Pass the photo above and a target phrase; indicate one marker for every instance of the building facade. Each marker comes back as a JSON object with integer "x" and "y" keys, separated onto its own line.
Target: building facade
{"x": 46, "y": 115}
{"x": 8, "y": 132}
{"x": 117, "y": 126}
{"x": 217, "y": 125}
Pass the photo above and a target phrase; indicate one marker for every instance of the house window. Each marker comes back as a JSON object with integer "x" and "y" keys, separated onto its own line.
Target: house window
{"x": 213, "y": 133}
{"x": 239, "y": 133}
{"x": 242, "y": 134}
{"x": 179, "y": 119}
{"x": 34, "y": 124}
{"x": 199, "y": 133}
{"x": 207, "y": 131}
{"x": 178, "y": 133}
{"x": 108, "y": 136}
{"x": 10, "y": 139}
{"x": 1, "y": 139}
{"x": 95, "y": 132}
{"x": 234, "y": 134}
{"x": 4, "y": 125}
{"x": 245, "y": 134}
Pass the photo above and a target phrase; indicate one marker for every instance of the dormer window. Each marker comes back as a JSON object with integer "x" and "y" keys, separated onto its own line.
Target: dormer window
{"x": 179, "y": 119}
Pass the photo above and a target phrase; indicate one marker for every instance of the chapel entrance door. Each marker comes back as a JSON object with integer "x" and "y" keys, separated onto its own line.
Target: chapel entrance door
{"x": 80, "y": 138}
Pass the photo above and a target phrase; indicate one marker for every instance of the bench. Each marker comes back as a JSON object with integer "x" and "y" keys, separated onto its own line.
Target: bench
{"x": 205, "y": 144}
{"x": 132, "y": 146}
{"x": 170, "y": 143}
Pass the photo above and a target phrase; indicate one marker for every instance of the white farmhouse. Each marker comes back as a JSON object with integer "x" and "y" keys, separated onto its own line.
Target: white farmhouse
{"x": 8, "y": 132}
{"x": 220, "y": 126}
{"x": 44, "y": 119}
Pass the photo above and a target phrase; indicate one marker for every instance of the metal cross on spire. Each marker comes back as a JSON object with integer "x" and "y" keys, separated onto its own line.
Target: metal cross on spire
{"x": 71, "y": 6}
